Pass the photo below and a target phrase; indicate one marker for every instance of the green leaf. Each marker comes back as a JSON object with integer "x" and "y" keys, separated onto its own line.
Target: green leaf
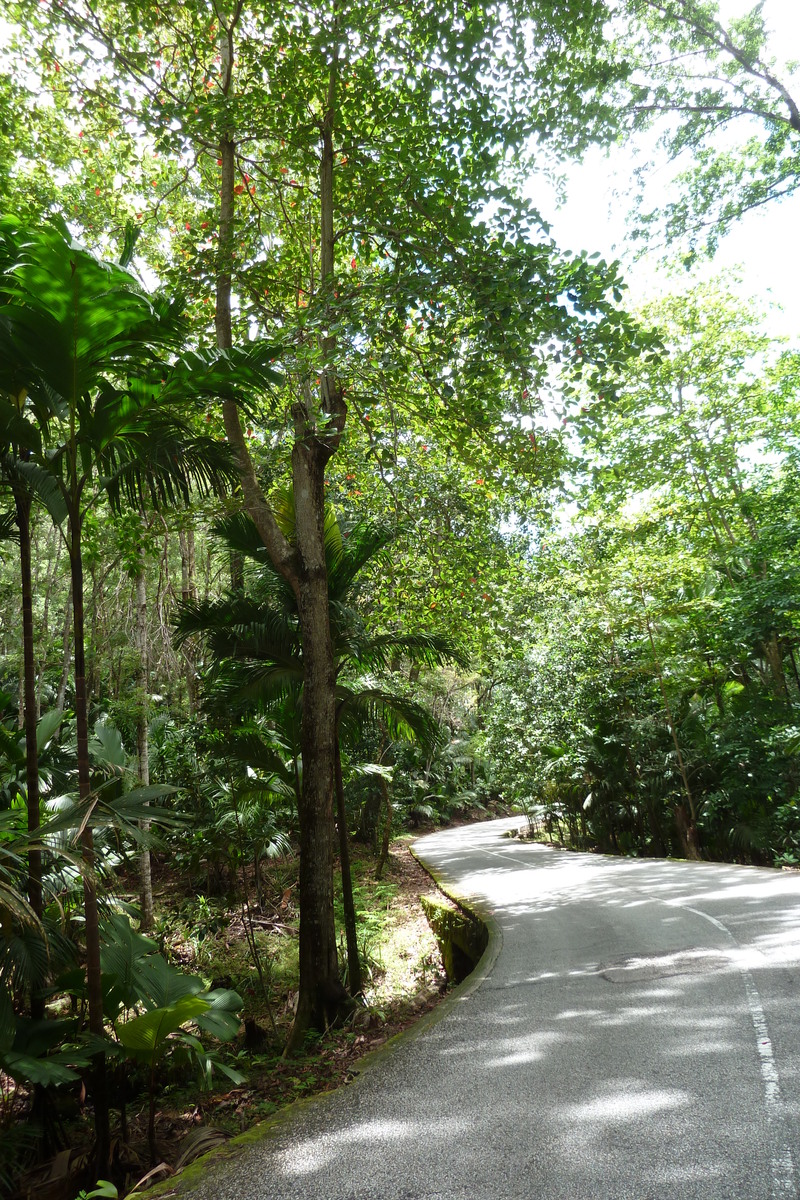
{"x": 47, "y": 727}
{"x": 106, "y": 745}
{"x": 145, "y": 1035}
{"x": 222, "y": 1018}
{"x": 103, "y": 1191}
{"x": 23, "y": 1068}
{"x": 121, "y": 961}
{"x": 163, "y": 985}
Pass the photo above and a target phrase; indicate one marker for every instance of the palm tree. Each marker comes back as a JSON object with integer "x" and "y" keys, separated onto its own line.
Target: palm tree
{"x": 20, "y": 446}
{"x": 83, "y": 339}
{"x": 255, "y": 640}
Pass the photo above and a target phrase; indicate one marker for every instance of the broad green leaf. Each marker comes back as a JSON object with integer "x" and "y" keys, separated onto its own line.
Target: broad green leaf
{"x": 47, "y": 727}
{"x": 222, "y": 1017}
{"x": 25, "y": 1069}
{"x": 145, "y": 1035}
{"x": 163, "y": 985}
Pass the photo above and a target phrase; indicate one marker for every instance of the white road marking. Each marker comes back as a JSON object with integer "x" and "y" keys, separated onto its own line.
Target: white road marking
{"x": 781, "y": 1162}
{"x": 782, "y": 1166}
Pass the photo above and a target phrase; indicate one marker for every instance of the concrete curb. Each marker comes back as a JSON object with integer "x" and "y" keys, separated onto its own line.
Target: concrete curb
{"x": 182, "y": 1183}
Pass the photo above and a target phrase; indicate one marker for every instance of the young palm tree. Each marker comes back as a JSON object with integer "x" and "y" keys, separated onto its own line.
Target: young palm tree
{"x": 255, "y": 640}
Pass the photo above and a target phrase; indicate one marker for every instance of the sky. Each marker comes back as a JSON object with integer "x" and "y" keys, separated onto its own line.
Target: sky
{"x": 765, "y": 244}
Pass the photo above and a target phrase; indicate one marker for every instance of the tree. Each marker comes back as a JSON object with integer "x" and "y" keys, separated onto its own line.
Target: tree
{"x": 655, "y": 703}
{"x": 20, "y": 444}
{"x": 257, "y": 648}
{"x": 717, "y": 94}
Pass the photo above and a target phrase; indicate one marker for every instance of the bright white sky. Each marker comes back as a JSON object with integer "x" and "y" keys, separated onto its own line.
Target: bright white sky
{"x": 765, "y": 244}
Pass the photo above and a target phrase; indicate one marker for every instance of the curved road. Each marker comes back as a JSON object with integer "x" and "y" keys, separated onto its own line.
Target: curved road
{"x": 635, "y": 1038}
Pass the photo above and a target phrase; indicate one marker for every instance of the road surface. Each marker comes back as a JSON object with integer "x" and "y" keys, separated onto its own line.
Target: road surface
{"x": 636, "y": 1037}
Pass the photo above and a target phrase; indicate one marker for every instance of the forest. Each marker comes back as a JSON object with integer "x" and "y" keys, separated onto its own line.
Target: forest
{"x": 338, "y": 500}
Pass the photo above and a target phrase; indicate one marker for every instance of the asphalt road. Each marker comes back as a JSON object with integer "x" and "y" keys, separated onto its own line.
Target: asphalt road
{"x": 635, "y": 1038}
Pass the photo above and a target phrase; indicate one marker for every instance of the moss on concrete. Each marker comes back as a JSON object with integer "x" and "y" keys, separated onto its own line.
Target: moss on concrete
{"x": 462, "y": 938}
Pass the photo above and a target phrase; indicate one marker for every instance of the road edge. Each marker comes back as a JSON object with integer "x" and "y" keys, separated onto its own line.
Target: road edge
{"x": 183, "y": 1183}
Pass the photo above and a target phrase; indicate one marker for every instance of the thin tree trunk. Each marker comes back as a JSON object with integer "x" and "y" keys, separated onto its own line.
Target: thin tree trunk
{"x": 142, "y": 722}
{"x": 21, "y": 694}
{"x": 94, "y": 988}
{"x": 188, "y": 592}
{"x": 54, "y": 553}
{"x": 35, "y": 898}
{"x": 774, "y": 657}
{"x": 793, "y": 661}
{"x": 66, "y": 655}
{"x": 354, "y": 981}
{"x": 387, "y": 827}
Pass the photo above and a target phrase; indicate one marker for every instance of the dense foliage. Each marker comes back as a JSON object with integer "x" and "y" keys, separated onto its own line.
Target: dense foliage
{"x": 657, "y": 703}
{"x": 332, "y": 494}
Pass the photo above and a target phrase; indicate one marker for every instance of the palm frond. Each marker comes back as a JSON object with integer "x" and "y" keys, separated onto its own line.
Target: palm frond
{"x": 15, "y": 428}
{"x": 252, "y": 749}
{"x": 265, "y": 684}
{"x": 91, "y": 315}
{"x": 43, "y": 486}
{"x": 24, "y": 957}
{"x": 239, "y": 532}
{"x": 376, "y": 653}
{"x": 283, "y": 506}
{"x": 405, "y": 719}
{"x": 240, "y": 627}
{"x": 241, "y": 374}
{"x": 362, "y": 543}
{"x": 8, "y": 527}
{"x": 161, "y": 463}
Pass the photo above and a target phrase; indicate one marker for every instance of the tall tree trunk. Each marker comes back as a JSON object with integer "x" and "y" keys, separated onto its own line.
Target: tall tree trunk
{"x": 386, "y": 837}
{"x": 142, "y": 722}
{"x": 66, "y": 656}
{"x": 188, "y": 584}
{"x": 793, "y": 661}
{"x": 188, "y": 592}
{"x": 94, "y": 987}
{"x": 54, "y": 556}
{"x": 774, "y": 656}
{"x": 321, "y": 995}
{"x": 35, "y": 898}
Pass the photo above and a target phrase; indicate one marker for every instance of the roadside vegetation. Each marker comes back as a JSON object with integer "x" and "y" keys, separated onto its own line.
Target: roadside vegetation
{"x": 238, "y": 1082}
{"x": 337, "y": 503}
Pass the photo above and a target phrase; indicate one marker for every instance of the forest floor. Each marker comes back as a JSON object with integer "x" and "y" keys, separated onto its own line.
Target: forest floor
{"x": 213, "y": 937}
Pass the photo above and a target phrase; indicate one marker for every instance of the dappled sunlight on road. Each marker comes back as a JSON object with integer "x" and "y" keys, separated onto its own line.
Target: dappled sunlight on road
{"x": 315, "y": 1154}
{"x": 610, "y": 1082}
{"x": 526, "y": 1048}
{"x": 625, "y": 1100}
{"x": 635, "y": 1039}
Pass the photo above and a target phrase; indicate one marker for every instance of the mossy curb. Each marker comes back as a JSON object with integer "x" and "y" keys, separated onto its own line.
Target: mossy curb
{"x": 461, "y": 937}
